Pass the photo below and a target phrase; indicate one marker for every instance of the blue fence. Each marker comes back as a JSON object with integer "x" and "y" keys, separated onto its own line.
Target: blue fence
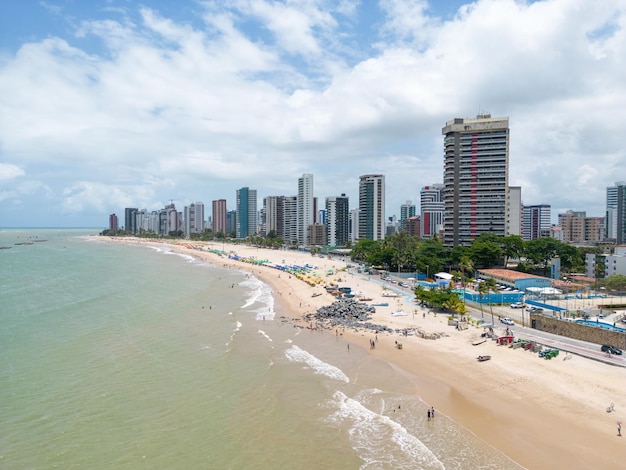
{"x": 544, "y": 306}
{"x": 499, "y": 298}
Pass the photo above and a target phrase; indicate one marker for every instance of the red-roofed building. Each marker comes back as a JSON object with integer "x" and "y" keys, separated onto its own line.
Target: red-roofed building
{"x": 515, "y": 279}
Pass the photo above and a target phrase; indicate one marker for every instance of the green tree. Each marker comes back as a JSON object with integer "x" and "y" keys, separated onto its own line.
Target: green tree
{"x": 485, "y": 252}
{"x": 431, "y": 256}
{"x": 401, "y": 248}
{"x": 572, "y": 259}
{"x": 421, "y": 294}
{"x": 466, "y": 265}
{"x": 482, "y": 290}
{"x": 364, "y": 249}
{"x": 454, "y": 304}
{"x": 512, "y": 247}
{"x": 598, "y": 271}
{"x": 616, "y": 282}
{"x": 541, "y": 251}
{"x": 491, "y": 286}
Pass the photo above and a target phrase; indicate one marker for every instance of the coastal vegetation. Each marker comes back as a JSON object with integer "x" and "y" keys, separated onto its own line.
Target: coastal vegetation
{"x": 445, "y": 299}
{"x": 404, "y": 253}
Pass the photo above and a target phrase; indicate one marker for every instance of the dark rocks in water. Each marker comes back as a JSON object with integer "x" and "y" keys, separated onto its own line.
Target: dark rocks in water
{"x": 349, "y": 313}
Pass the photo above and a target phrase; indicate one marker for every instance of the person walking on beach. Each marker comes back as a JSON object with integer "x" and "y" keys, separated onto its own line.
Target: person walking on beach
{"x": 428, "y": 414}
{"x": 432, "y": 412}
{"x": 619, "y": 428}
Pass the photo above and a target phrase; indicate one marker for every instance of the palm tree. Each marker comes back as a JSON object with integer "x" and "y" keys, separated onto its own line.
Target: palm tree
{"x": 490, "y": 285}
{"x": 421, "y": 294}
{"x": 454, "y": 304}
{"x": 466, "y": 265}
{"x": 482, "y": 290}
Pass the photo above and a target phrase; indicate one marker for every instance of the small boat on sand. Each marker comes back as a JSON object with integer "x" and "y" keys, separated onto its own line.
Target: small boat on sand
{"x": 388, "y": 293}
{"x": 483, "y": 358}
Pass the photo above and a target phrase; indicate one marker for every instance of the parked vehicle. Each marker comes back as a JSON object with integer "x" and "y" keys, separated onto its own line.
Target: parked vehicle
{"x": 507, "y": 321}
{"x": 517, "y": 305}
{"x": 611, "y": 349}
{"x": 533, "y": 309}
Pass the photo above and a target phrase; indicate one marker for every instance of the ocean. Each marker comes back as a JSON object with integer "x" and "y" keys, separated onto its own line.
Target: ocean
{"x": 122, "y": 356}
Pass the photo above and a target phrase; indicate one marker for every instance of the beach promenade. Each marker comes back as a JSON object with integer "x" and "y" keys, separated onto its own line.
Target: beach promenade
{"x": 541, "y": 413}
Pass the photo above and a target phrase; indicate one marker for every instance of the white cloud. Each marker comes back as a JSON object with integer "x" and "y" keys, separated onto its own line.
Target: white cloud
{"x": 255, "y": 93}
{"x": 9, "y": 171}
{"x": 97, "y": 197}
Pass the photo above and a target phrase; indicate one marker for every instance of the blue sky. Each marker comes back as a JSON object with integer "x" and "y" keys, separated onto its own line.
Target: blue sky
{"x": 113, "y": 104}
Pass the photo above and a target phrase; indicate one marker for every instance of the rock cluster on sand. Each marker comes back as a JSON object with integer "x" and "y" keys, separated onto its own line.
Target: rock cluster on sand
{"x": 348, "y": 312}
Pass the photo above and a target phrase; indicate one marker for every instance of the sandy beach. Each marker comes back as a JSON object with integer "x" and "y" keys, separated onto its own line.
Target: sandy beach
{"x": 542, "y": 414}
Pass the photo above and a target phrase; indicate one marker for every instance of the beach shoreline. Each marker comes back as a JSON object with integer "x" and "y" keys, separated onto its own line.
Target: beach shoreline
{"x": 541, "y": 414}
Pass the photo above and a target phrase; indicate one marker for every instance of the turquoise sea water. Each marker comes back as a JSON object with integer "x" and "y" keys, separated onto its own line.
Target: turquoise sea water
{"x": 121, "y": 356}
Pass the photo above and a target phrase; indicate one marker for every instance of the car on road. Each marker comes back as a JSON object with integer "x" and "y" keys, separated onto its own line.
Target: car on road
{"x": 533, "y": 309}
{"x": 517, "y": 305}
{"x": 611, "y": 349}
{"x": 507, "y": 321}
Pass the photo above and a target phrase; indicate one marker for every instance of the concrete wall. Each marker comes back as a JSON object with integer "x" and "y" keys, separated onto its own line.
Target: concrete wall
{"x": 572, "y": 329}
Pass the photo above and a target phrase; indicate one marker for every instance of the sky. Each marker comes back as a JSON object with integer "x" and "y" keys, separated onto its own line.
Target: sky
{"x": 122, "y": 103}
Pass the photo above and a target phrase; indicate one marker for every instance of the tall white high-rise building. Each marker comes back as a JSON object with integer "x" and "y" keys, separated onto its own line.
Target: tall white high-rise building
{"x": 536, "y": 221}
{"x": 274, "y": 213}
{"x": 193, "y": 218}
{"x": 337, "y": 220}
{"x": 431, "y": 210}
{"x": 372, "y": 207}
{"x": 515, "y": 211}
{"x": 290, "y": 220}
{"x": 170, "y": 220}
{"x": 615, "y": 221}
{"x": 354, "y": 225}
{"x": 476, "y": 178}
{"x": 306, "y": 209}
{"x": 407, "y": 210}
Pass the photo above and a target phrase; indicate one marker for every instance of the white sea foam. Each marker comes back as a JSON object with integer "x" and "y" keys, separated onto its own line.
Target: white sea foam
{"x": 160, "y": 249}
{"x": 263, "y": 333}
{"x": 260, "y": 297}
{"x": 379, "y": 440}
{"x": 188, "y": 258}
{"x": 168, "y": 251}
{"x": 295, "y": 354}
